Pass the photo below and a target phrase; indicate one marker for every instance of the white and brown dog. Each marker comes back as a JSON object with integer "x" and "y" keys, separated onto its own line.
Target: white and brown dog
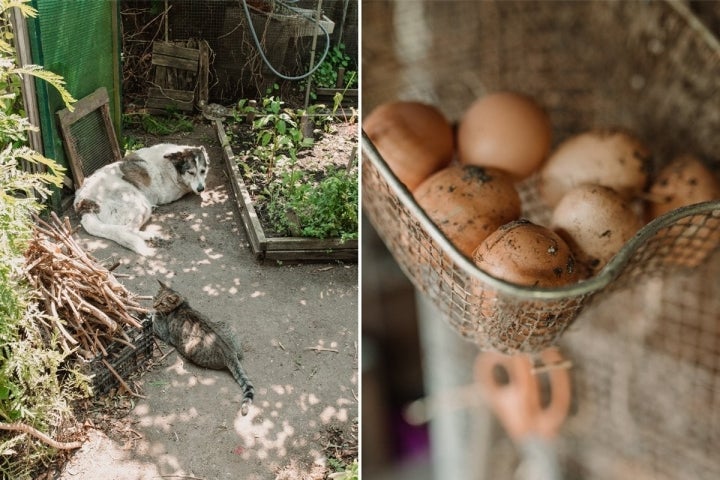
{"x": 117, "y": 200}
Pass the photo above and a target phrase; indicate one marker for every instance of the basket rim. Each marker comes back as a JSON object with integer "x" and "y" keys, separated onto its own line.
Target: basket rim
{"x": 597, "y": 283}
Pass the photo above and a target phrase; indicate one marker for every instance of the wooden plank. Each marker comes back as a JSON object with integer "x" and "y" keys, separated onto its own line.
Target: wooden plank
{"x": 350, "y": 92}
{"x": 175, "y": 56}
{"x": 164, "y": 98}
{"x": 110, "y": 129}
{"x": 203, "y": 88}
{"x": 28, "y": 81}
{"x": 164, "y": 104}
{"x": 175, "y": 62}
{"x": 172, "y": 50}
{"x": 311, "y": 256}
{"x": 310, "y": 244}
{"x": 84, "y": 106}
{"x": 248, "y": 215}
{"x": 169, "y": 93}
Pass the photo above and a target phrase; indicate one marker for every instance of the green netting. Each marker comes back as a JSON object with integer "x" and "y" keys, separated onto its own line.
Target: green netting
{"x": 79, "y": 40}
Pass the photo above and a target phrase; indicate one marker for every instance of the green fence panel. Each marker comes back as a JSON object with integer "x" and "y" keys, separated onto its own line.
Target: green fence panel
{"x": 80, "y": 40}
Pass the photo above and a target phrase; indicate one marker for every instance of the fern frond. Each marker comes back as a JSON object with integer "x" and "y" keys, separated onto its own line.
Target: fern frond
{"x": 6, "y": 47}
{"x": 52, "y": 78}
{"x": 22, "y": 5}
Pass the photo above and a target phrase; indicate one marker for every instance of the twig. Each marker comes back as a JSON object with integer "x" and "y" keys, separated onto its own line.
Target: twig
{"x": 21, "y": 427}
{"x": 119, "y": 379}
{"x": 323, "y": 349}
{"x": 86, "y": 305}
{"x": 189, "y": 477}
{"x": 165, "y": 355}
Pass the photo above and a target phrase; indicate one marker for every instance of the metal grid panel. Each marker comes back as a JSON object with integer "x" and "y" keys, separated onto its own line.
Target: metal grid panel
{"x": 90, "y": 139}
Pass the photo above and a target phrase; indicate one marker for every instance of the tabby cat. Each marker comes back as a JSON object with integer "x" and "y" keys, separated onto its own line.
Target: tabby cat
{"x": 205, "y": 343}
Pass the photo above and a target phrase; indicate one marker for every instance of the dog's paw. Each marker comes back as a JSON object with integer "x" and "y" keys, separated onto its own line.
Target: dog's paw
{"x": 145, "y": 250}
{"x": 151, "y": 232}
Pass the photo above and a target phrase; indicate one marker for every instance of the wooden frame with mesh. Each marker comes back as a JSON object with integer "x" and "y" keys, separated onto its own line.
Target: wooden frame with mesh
{"x": 88, "y": 135}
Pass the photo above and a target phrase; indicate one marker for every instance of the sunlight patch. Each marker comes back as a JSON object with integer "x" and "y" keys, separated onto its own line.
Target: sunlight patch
{"x": 213, "y": 197}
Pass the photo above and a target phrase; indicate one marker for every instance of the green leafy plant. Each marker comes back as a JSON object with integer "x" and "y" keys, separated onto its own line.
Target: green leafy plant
{"x": 296, "y": 205}
{"x": 339, "y": 96}
{"x": 36, "y": 387}
{"x": 326, "y": 209}
{"x": 346, "y": 472}
{"x": 277, "y": 133}
{"x": 131, "y": 143}
{"x": 326, "y": 75}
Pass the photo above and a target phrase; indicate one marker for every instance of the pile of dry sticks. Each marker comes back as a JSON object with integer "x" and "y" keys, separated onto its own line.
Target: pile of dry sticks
{"x": 84, "y": 301}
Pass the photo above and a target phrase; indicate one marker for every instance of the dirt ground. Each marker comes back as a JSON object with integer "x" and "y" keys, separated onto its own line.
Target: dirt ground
{"x": 297, "y": 324}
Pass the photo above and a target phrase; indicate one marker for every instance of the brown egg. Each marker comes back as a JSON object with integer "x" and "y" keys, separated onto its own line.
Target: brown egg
{"x": 505, "y": 130}
{"x": 468, "y": 203}
{"x": 684, "y": 181}
{"x": 614, "y": 158}
{"x": 596, "y": 222}
{"x": 415, "y": 139}
{"x": 525, "y": 253}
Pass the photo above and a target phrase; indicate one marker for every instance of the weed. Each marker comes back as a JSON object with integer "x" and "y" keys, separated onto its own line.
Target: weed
{"x": 326, "y": 75}
{"x": 169, "y": 124}
{"x": 342, "y": 471}
{"x": 131, "y": 143}
{"x": 277, "y": 133}
{"x": 326, "y": 209}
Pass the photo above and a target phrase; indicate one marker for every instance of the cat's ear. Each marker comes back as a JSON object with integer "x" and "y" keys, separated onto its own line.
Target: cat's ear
{"x": 162, "y": 284}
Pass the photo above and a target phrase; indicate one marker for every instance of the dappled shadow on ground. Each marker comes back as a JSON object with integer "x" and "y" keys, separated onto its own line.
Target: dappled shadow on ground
{"x": 298, "y": 328}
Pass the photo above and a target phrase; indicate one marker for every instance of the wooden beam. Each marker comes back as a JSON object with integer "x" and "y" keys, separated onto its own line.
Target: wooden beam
{"x": 22, "y": 46}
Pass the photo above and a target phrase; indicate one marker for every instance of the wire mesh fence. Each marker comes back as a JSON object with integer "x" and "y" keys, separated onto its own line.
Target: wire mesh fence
{"x": 254, "y": 44}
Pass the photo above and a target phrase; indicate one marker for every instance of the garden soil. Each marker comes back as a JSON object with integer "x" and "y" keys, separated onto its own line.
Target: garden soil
{"x": 298, "y": 327}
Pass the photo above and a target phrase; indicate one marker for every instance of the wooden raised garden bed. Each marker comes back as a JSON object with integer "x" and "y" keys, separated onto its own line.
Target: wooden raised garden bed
{"x": 277, "y": 248}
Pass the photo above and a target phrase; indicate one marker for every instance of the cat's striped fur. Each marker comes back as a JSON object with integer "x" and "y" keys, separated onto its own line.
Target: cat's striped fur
{"x": 204, "y": 342}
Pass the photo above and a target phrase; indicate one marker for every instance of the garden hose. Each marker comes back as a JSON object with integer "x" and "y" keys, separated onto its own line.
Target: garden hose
{"x": 262, "y": 53}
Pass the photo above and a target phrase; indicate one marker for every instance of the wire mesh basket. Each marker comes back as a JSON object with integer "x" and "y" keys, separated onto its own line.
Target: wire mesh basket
{"x": 125, "y": 360}
{"x": 647, "y": 66}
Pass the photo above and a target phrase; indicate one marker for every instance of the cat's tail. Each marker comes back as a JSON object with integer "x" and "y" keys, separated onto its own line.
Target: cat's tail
{"x": 247, "y": 387}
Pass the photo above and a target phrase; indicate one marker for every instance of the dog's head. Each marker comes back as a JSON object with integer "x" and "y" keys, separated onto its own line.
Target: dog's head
{"x": 192, "y": 165}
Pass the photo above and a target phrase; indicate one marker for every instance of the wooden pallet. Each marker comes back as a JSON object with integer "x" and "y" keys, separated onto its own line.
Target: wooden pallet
{"x": 180, "y": 79}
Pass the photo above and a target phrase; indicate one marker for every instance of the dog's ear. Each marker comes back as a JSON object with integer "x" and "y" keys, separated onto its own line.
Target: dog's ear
{"x": 204, "y": 155}
{"x": 182, "y": 160}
